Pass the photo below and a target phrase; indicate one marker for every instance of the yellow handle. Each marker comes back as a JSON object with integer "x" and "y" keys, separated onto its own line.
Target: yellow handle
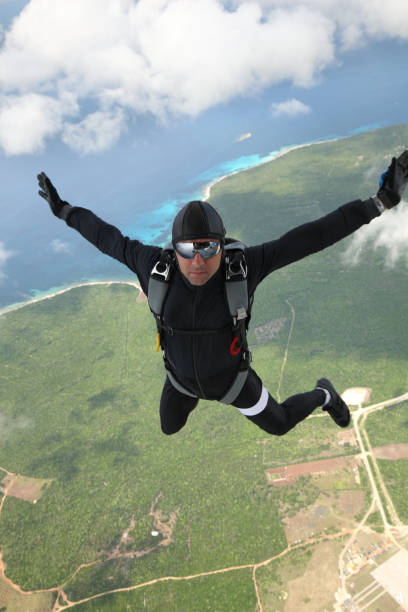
{"x": 157, "y": 342}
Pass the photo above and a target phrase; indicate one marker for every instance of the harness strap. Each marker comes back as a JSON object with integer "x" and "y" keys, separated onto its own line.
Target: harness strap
{"x": 177, "y": 385}
{"x": 235, "y": 389}
{"x": 232, "y": 393}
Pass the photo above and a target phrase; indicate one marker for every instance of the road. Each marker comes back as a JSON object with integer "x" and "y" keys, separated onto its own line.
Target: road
{"x": 390, "y": 529}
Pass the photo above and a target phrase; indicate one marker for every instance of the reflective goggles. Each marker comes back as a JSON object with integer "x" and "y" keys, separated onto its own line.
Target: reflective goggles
{"x": 188, "y": 250}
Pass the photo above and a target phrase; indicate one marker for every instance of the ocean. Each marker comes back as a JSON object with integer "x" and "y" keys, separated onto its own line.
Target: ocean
{"x": 151, "y": 227}
{"x": 139, "y": 184}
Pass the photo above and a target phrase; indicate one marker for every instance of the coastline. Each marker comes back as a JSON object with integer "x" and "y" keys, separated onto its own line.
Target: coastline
{"x": 205, "y": 194}
{"x": 40, "y": 298}
{"x": 273, "y": 156}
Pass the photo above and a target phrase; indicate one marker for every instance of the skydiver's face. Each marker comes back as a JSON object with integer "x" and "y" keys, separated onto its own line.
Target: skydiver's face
{"x": 198, "y": 270}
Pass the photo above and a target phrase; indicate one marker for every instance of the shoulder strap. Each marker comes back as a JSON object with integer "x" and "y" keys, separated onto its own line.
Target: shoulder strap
{"x": 236, "y": 286}
{"x": 159, "y": 281}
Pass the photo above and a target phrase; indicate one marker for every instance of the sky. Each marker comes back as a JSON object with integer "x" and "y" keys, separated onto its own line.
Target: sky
{"x": 125, "y": 103}
{"x": 81, "y": 69}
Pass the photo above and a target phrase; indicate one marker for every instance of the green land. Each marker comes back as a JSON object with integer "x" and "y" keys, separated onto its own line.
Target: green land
{"x": 80, "y": 385}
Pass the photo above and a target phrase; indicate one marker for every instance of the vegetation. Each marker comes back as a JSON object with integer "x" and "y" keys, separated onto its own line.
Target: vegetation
{"x": 91, "y": 424}
{"x": 340, "y": 327}
{"x": 80, "y": 386}
{"x": 395, "y": 474}
{"x": 374, "y": 520}
{"x": 316, "y": 439}
{"x": 224, "y": 593}
{"x": 388, "y": 426}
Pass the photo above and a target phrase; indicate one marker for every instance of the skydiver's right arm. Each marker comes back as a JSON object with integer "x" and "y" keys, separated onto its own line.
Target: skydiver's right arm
{"x": 107, "y": 238}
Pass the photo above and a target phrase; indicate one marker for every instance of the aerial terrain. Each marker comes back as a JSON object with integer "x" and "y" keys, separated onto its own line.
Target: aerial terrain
{"x": 101, "y": 511}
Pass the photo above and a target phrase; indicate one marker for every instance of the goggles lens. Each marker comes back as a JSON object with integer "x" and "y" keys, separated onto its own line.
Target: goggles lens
{"x": 188, "y": 250}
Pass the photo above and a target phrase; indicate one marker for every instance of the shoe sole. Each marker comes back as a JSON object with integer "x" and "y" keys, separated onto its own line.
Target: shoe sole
{"x": 344, "y": 420}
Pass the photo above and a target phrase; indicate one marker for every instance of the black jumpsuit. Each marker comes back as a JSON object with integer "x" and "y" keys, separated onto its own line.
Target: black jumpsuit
{"x": 203, "y": 364}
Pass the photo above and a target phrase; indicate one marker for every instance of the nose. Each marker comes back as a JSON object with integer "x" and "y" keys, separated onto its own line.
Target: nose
{"x": 197, "y": 259}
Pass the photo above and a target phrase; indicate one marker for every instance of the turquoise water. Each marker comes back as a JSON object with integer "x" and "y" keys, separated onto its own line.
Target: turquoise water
{"x": 153, "y": 226}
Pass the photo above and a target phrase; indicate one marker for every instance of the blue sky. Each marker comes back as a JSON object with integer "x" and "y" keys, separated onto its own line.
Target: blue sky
{"x": 124, "y": 104}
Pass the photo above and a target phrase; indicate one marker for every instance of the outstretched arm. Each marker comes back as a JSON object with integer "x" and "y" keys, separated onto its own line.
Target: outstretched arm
{"x": 318, "y": 235}
{"x": 138, "y": 257}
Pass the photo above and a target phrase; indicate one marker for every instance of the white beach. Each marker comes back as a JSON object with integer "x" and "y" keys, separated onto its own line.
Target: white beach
{"x": 205, "y": 195}
{"x": 8, "y": 309}
{"x": 207, "y": 189}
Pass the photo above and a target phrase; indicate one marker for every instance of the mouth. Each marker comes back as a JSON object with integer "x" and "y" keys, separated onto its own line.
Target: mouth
{"x": 198, "y": 272}
{"x": 198, "y": 275}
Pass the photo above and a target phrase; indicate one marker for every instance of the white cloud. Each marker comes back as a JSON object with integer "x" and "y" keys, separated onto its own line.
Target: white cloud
{"x": 388, "y": 233}
{"x": 27, "y": 120}
{"x": 290, "y": 108}
{"x": 356, "y": 21}
{"x": 165, "y": 57}
{"x": 243, "y": 137}
{"x": 4, "y": 256}
{"x": 59, "y": 246}
{"x": 97, "y": 132}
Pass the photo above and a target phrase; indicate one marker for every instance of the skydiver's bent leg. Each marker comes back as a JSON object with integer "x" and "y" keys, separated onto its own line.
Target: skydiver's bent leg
{"x": 258, "y": 406}
{"x": 174, "y": 408}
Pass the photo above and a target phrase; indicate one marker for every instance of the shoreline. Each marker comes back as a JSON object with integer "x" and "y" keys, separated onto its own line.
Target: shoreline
{"x": 40, "y": 298}
{"x": 206, "y": 194}
{"x": 207, "y": 189}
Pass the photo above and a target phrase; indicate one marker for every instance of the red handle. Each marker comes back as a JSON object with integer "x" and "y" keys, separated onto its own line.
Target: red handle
{"x": 233, "y": 350}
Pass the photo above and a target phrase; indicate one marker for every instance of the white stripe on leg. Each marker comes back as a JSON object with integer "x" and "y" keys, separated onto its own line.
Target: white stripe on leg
{"x": 259, "y": 406}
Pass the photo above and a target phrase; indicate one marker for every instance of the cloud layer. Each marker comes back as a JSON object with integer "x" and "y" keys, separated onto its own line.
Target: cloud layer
{"x": 164, "y": 58}
{"x": 388, "y": 233}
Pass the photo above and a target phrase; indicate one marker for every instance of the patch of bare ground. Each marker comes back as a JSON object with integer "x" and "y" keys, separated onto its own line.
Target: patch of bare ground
{"x": 269, "y": 331}
{"x": 357, "y": 396}
{"x": 314, "y": 591}
{"x": 327, "y": 513}
{"x": 349, "y": 503}
{"x": 289, "y": 473}
{"x": 24, "y": 487}
{"x": 160, "y": 522}
{"x": 392, "y": 451}
{"x": 307, "y": 522}
{"x": 347, "y": 436}
{"x": 164, "y": 524}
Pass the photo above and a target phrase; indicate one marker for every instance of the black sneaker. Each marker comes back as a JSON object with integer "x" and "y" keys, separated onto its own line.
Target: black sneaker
{"x": 336, "y": 407}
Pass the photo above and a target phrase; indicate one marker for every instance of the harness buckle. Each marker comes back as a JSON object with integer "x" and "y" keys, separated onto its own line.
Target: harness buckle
{"x": 161, "y": 270}
{"x": 236, "y": 266}
{"x": 241, "y": 313}
{"x": 247, "y": 357}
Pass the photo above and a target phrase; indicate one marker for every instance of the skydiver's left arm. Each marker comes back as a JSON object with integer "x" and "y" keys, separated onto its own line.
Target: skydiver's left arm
{"x": 319, "y": 234}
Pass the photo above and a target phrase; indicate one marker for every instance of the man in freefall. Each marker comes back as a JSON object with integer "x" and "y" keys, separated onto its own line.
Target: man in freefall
{"x": 205, "y": 350}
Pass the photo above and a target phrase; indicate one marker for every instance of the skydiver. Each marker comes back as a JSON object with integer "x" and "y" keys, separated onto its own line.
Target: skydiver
{"x": 206, "y": 355}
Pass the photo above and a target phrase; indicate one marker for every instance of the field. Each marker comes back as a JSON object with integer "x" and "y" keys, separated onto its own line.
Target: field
{"x": 193, "y": 521}
{"x": 12, "y": 601}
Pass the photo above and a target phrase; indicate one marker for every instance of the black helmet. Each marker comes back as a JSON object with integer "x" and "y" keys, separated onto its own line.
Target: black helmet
{"x": 198, "y": 220}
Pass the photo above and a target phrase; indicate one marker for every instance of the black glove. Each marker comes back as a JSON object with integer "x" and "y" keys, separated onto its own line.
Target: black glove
{"x": 49, "y": 193}
{"x": 393, "y": 181}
